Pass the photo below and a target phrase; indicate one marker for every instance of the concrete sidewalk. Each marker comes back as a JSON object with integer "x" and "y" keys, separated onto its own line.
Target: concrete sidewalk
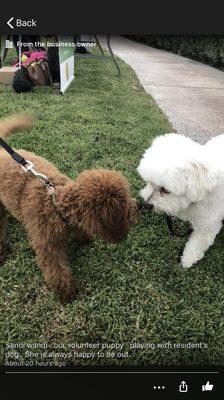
{"x": 191, "y": 94}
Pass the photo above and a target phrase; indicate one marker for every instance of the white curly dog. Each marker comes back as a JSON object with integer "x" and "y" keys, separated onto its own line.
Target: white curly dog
{"x": 186, "y": 179}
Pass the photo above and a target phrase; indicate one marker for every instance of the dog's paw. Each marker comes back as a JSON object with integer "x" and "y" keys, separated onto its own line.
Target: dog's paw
{"x": 186, "y": 263}
{"x": 68, "y": 296}
{"x": 2, "y": 254}
{"x": 67, "y": 290}
{"x": 190, "y": 257}
{"x": 62, "y": 282}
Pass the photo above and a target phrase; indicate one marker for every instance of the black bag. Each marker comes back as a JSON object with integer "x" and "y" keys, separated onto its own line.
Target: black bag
{"x": 21, "y": 82}
{"x": 53, "y": 62}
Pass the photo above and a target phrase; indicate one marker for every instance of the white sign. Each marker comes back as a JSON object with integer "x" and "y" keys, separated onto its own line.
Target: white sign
{"x": 66, "y": 60}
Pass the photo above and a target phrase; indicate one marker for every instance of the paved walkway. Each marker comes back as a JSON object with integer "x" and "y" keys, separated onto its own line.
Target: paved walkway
{"x": 191, "y": 94}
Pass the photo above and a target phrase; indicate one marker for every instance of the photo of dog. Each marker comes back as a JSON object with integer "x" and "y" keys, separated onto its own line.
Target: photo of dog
{"x": 186, "y": 179}
{"x": 90, "y": 276}
{"x": 96, "y": 204}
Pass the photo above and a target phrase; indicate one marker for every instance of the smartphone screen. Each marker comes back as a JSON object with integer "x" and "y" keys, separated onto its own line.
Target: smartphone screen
{"x": 111, "y": 207}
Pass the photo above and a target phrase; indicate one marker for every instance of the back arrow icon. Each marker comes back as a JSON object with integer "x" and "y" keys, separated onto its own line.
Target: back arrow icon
{"x": 9, "y": 23}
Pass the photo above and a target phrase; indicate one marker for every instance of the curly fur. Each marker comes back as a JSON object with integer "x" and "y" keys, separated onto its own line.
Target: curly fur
{"x": 186, "y": 179}
{"x": 97, "y": 203}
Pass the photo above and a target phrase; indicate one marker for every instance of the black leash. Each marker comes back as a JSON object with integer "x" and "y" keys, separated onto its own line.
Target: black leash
{"x": 17, "y": 157}
{"x": 27, "y": 166}
{"x": 146, "y": 205}
{"x": 173, "y": 232}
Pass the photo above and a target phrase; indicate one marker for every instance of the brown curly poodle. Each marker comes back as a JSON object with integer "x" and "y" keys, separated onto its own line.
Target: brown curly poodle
{"x": 97, "y": 203}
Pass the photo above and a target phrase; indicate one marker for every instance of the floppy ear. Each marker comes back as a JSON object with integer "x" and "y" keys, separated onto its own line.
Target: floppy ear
{"x": 200, "y": 180}
{"x": 113, "y": 224}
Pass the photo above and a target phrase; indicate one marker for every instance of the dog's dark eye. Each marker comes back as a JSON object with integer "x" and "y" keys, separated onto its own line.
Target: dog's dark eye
{"x": 163, "y": 190}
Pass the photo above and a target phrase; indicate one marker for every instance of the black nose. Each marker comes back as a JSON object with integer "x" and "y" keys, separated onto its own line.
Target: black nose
{"x": 147, "y": 205}
{"x": 144, "y": 204}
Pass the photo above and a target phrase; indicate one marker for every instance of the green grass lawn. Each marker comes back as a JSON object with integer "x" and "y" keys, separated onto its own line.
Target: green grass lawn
{"x": 132, "y": 292}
